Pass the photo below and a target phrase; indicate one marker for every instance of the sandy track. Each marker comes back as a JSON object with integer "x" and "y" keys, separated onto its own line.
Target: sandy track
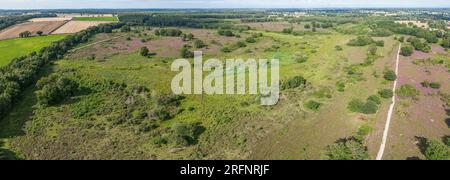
{"x": 391, "y": 110}
{"x": 77, "y": 26}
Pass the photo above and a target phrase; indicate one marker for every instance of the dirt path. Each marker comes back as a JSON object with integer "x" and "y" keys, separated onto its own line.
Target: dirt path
{"x": 391, "y": 110}
{"x": 82, "y": 47}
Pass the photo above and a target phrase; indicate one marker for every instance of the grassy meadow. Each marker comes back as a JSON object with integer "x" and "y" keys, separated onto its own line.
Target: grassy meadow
{"x": 9, "y": 49}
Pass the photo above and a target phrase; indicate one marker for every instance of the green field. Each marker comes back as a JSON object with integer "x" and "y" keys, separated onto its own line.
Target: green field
{"x": 9, "y": 49}
{"x": 95, "y": 19}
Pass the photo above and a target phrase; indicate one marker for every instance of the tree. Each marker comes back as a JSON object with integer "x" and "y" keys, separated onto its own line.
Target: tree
{"x": 144, "y": 51}
{"x": 435, "y": 150}
{"x": 39, "y": 33}
{"x": 54, "y": 89}
{"x": 390, "y": 75}
{"x": 373, "y": 50}
{"x": 347, "y": 149}
{"x": 407, "y": 50}
{"x": 199, "y": 44}
{"x": 186, "y": 53}
{"x": 307, "y": 26}
{"x": 446, "y": 43}
{"x": 25, "y": 34}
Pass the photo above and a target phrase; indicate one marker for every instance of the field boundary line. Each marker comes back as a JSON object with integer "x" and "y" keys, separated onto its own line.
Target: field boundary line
{"x": 391, "y": 109}
{"x": 51, "y": 32}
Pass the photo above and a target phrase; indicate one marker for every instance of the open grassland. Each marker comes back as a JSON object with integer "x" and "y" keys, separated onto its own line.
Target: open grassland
{"x": 235, "y": 127}
{"x": 46, "y": 27}
{"x": 10, "y": 49}
{"x": 95, "y": 19}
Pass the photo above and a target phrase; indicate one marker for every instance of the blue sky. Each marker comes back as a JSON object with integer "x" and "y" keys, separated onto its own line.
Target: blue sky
{"x": 74, "y": 4}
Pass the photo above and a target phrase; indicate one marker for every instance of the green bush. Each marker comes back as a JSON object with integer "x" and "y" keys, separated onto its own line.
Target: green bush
{"x": 184, "y": 134}
{"x": 348, "y": 149}
{"x": 250, "y": 40}
{"x": 374, "y": 98}
{"x": 227, "y": 33}
{"x": 407, "y": 50}
{"x": 436, "y": 151}
{"x": 408, "y": 91}
{"x": 199, "y": 44}
{"x": 295, "y": 82}
{"x": 357, "y": 105}
{"x": 361, "y": 41}
{"x": 313, "y": 105}
{"x": 435, "y": 85}
{"x": 338, "y": 48}
{"x": 144, "y": 51}
{"x": 55, "y": 89}
{"x": 390, "y": 75}
{"x": 386, "y": 93}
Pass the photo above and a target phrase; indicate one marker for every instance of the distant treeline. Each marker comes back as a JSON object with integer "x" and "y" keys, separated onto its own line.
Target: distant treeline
{"x": 23, "y": 71}
{"x": 12, "y": 20}
{"x": 165, "y": 20}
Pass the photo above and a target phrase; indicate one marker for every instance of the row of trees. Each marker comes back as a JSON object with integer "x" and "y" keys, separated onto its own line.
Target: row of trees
{"x": 23, "y": 71}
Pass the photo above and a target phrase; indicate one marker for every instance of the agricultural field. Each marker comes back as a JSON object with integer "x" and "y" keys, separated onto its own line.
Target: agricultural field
{"x": 110, "y": 95}
{"x": 77, "y": 26}
{"x": 10, "y": 49}
{"x": 46, "y": 27}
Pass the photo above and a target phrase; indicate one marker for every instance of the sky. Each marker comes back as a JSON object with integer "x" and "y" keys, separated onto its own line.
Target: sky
{"x": 97, "y": 4}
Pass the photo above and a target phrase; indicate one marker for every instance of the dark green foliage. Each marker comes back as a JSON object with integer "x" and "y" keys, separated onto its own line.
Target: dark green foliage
{"x": 125, "y": 28}
{"x": 250, "y": 40}
{"x": 241, "y": 44}
{"x": 168, "y": 32}
{"x": 386, "y": 93}
{"x": 361, "y": 41}
{"x": 199, "y": 44}
{"x": 347, "y": 149}
{"x": 372, "y": 51}
{"x": 225, "y": 49}
{"x": 187, "y": 37}
{"x": 295, "y": 82}
{"x": 300, "y": 58}
{"x": 420, "y": 45}
{"x": 340, "y": 85}
{"x": 435, "y": 150}
{"x": 144, "y": 51}
{"x": 435, "y": 85}
{"x": 357, "y": 105}
{"x": 180, "y": 134}
{"x": 446, "y": 43}
{"x": 186, "y": 53}
{"x": 313, "y": 105}
{"x": 40, "y": 33}
{"x": 402, "y": 39}
{"x": 379, "y": 43}
{"x": 390, "y": 75}
{"x": 339, "y": 48}
{"x": 447, "y": 140}
{"x": 374, "y": 98}
{"x": 307, "y": 26}
{"x": 225, "y": 32}
{"x": 25, "y": 34}
{"x": 54, "y": 89}
{"x": 288, "y": 30}
{"x": 407, "y": 50}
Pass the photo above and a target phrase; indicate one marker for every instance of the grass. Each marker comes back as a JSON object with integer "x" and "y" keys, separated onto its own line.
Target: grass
{"x": 95, "y": 19}
{"x": 236, "y": 127}
{"x": 10, "y": 49}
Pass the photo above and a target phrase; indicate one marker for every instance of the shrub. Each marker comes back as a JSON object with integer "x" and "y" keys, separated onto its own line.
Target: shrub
{"x": 199, "y": 44}
{"x": 447, "y": 140}
{"x": 408, "y": 91}
{"x": 300, "y": 58}
{"x": 184, "y": 134}
{"x": 144, "y": 51}
{"x": 390, "y": 75}
{"x": 54, "y": 89}
{"x": 355, "y": 105}
{"x": 227, "y": 33}
{"x": 374, "y": 98}
{"x": 386, "y": 93}
{"x": 250, "y": 40}
{"x": 186, "y": 53}
{"x": 407, "y": 50}
{"x": 340, "y": 85}
{"x": 225, "y": 49}
{"x": 25, "y": 34}
{"x": 169, "y": 32}
{"x": 361, "y": 41}
{"x": 39, "y": 33}
{"x": 339, "y": 48}
{"x": 435, "y": 85}
{"x": 401, "y": 39}
{"x": 313, "y": 105}
{"x": 241, "y": 44}
{"x": 379, "y": 43}
{"x": 435, "y": 150}
{"x": 288, "y": 30}
{"x": 295, "y": 82}
{"x": 347, "y": 149}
